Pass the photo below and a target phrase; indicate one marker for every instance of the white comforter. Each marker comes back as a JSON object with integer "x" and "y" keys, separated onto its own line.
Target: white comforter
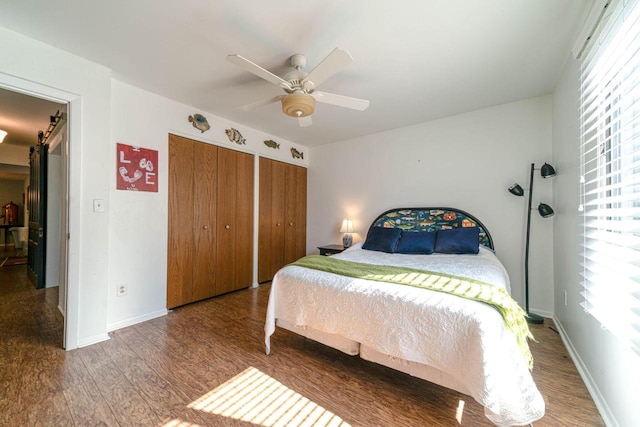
{"x": 464, "y": 338}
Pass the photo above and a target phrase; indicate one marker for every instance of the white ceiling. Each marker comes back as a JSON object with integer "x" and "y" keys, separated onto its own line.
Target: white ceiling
{"x": 414, "y": 60}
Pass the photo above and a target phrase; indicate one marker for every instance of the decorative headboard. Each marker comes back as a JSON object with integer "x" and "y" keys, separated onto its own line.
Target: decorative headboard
{"x": 432, "y": 219}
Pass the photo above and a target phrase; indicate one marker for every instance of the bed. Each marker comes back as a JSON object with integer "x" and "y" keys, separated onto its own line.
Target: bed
{"x": 455, "y": 342}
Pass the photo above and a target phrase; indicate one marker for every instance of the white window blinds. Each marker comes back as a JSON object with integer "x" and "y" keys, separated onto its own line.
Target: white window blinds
{"x": 610, "y": 171}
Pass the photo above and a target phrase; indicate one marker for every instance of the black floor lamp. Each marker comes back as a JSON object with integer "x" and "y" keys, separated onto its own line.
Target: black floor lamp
{"x": 545, "y": 211}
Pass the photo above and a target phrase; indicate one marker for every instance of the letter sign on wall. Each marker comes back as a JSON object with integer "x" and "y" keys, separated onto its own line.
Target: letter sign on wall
{"x": 137, "y": 168}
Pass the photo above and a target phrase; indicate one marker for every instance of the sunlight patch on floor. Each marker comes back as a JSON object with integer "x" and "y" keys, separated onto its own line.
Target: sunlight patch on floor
{"x": 179, "y": 423}
{"x": 460, "y": 411}
{"x": 255, "y": 397}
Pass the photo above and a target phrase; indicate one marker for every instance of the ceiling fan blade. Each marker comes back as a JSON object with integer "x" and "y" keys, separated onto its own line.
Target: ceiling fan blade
{"x": 341, "y": 101}
{"x": 249, "y": 66}
{"x": 257, "y": 104}
{"x": 305, "y": 121}
{"x": 334, "y": 62}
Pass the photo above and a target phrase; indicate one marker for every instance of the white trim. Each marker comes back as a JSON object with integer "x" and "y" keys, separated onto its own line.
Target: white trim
{"x": 93, "y": 340}
{"x": 605, "y": 412}
{"x": 135, "y": 320}
{"x": 545, "y": 314}
{"x": 74, "y": 112}
{"x": 590, "y": 24}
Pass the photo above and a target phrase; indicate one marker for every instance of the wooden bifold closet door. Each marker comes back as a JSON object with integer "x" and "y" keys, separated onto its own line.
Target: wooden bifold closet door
{"x": 282, "y": 226}
{"x": 210, "y": 243}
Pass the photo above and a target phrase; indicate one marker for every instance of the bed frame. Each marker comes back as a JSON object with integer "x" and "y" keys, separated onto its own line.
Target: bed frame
{"x": 432, "y": 219}
{"x": 418, "y": 219}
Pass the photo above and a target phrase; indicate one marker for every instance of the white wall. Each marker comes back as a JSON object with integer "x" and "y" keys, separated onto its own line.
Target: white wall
{"x": 127, "y": 243}
{"x": 466, "y": 161}
{"x": 611, "y": 372}
{"x": 34, "y": 67}
{"x": 138, "y": 220}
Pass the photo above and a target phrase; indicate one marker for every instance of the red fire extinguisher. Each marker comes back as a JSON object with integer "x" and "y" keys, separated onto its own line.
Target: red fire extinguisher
{"x": 10, "y": 213}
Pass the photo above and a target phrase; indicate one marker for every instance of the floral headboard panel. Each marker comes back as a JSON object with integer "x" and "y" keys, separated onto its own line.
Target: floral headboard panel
{"x": 432, "y": 219}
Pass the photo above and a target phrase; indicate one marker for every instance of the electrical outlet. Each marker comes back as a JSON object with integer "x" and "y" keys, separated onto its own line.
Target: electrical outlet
{"x": 565, "y": 297}
{"x": 122, "y": 290}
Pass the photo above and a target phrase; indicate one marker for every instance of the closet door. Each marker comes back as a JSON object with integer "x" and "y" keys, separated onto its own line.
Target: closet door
{"x": 227, "y": 191}
{"x": 296, "y": 214}
{"x": 272, "y": 223}
{"x": 265, "y": 221}
{"x": 279, "y": 191}
{"x": 181, "y": 222}
{"x": 282, "y": 235}
{"x": 204, "y": 206}
{"x": 235, "y": 221}
{"x": 244, "y": 220}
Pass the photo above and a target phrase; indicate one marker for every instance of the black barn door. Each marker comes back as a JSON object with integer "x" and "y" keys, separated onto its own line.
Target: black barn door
{"x": 37, "y": 204}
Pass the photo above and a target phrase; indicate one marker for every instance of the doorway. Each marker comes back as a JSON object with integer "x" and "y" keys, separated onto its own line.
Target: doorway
{"x": 17, "y": 93}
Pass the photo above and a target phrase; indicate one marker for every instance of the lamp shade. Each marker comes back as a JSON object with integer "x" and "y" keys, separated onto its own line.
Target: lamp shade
{"x": 3, "y": 133}
{"x": 547, "y": 171}
{"x": 347, "y": 226}
{"x": 516, "y": 190}
{"x": 545, "y": 210}
{"x": 298, "y": 105}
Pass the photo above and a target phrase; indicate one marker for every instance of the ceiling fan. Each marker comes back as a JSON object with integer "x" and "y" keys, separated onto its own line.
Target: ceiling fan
{"x": 300, "y": 86}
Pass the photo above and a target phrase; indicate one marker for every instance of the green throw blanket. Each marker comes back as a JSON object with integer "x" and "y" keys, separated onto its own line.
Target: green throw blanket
{"x": 514, "y": 316}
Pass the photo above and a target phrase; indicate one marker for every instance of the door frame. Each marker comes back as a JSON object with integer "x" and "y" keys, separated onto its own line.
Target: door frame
{"x": 74, "y": 121}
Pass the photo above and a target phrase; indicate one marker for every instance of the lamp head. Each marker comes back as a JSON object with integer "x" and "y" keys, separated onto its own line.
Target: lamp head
{"x": 545, "y": 210}
{"x": 516, "y": 190}
{"x": 347, "y": 226}
{"x": 547, "y": 171}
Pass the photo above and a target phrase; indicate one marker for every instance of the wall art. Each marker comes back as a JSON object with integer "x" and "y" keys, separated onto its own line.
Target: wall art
{"x": 296, "y": 154}
{"x": 199, "y": 122}
{"x": 234, "y": 135}
{"x": 272, "y": 144}
{"x": 137, "y": 168}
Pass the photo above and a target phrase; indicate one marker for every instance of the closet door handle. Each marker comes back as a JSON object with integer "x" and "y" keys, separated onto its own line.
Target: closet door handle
{"x": 290, "y": 224}
{"x": 278, "y": 225}
{"x": 205, "y": 227}
{"x": 227, "y": 226}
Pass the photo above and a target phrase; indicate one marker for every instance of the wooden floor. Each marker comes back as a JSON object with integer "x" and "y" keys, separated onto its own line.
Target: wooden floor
{"x": 204, "y": 364}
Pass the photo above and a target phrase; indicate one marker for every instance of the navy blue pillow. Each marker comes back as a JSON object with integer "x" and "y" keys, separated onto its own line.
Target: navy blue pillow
{"x": 416, "y": 243}
{"x": 458, "y": 241}
{"x": 382, "y": 239}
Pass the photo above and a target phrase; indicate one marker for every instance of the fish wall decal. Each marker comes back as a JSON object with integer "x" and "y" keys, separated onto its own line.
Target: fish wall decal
{"x": 272, "y": 144}
{"x": 199, "y": 122}
{"x": 296, "y": 154}
{"x": 234, "y": 135}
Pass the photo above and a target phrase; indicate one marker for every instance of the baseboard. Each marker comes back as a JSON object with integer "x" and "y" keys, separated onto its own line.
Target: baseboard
{"x": 61, "y": 309}
{"x": 547, "y": 314}
{"x": 135, "y": 320}
{"x": 605, "y": 412}
{"x": 93, "y": 340}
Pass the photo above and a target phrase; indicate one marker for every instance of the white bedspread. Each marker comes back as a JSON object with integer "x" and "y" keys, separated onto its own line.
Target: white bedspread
{"x": 464, "y": 338}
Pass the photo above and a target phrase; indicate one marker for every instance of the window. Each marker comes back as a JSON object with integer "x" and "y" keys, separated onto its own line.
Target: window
{"x": 610, "y": 171}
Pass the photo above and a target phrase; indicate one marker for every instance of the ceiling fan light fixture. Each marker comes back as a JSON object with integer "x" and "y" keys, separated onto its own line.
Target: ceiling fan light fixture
{"x": 298, "y": 105}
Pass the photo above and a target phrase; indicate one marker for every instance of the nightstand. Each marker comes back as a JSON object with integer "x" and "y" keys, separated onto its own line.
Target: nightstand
{"x": 329, "y": 250}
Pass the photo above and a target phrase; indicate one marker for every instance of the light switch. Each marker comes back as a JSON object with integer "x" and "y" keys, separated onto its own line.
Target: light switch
{"x": 98, "y": 205}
